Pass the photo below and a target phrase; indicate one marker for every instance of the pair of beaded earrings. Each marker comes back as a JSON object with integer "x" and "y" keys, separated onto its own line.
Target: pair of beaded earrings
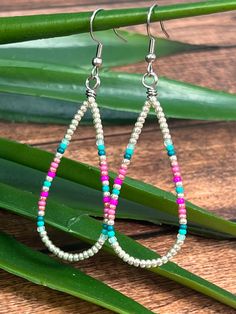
{"x": 110, "y": 199}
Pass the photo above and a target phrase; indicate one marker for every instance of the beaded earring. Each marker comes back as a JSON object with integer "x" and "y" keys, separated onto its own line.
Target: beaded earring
{"x": 110, "y": 209}
{"x": 89, "y": 103}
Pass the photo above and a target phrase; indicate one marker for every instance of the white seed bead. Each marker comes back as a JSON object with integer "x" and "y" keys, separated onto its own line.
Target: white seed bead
{"x": 110, "y": 222}
{"x": 142, "y": 263}
{"x": 50, "y": 179}
{"x": 131, "y": 260}
{"x": 180, "y": 183}
{"x": 68, "y": 137}
{"x": 81, "y": 256}
{"x": 183, "y": 221}
{"x": 126, "y": 257}
{"x": 117, "y": 186}
{"x": 72, "y": 127}
{"x": 136, "y": 262}
{"x": 90, "y": 252}
{"x": 74, "y": 122}
{"x": 70, "y": 132}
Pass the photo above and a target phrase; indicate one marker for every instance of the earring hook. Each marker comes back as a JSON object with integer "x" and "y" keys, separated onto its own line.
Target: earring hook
{"x": 91, "y": 28}
{"x": 149, "y": 22}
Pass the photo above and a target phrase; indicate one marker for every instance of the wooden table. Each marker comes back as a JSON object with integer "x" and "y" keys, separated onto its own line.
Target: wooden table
{"x": 207, "y": 152}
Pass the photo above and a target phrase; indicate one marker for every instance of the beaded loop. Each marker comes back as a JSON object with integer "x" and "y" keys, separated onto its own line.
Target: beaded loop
{"x": 52, "y": 174}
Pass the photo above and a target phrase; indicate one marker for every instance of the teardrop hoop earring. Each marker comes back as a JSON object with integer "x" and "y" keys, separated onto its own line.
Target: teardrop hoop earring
{"x": 151, "y": 101}
{"x": 89, "y": 103}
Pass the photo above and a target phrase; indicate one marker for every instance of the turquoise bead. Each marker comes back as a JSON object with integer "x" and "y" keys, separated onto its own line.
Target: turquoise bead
{"x": 47, "y": 183}
{"x": 105, "y": 188}
{"x": 110, "y": 228}
{"x": 170, "y": 147}
{"x": 171, "y": 152}
{"x": 104, "y": 231}
{"x": 104, "y": 226}
{"x": 65, "y": 141}
{"x": 179, "y": 189}
{"x": 60, "y": 150}
{"x": 63, "y": 145}
{"x": 115, "y": 191}
{"x": 182, "y": 231}
{"x": 129, "y": 151}
{"x": 101, "y": 147}
{"x": 40, "y": 218}
{"x": 111, "y": 234}
{"x": 183, "y": 226}
{"x": 40, "y": 223}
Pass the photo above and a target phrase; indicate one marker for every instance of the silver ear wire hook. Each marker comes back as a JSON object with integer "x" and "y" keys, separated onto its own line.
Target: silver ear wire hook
{"x": 150, "y": 78}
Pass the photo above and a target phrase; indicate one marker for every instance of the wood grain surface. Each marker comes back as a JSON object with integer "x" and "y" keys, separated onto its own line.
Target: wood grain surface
{"x": 207, "y": 153}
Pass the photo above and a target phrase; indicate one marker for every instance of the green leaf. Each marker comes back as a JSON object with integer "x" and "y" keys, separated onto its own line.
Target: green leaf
{"x": 119, "y": 92}
{"x": 21, "y": 28}
{"x": 155, "y": 200}
{"x": 79, "y": 50}
{"x": 41, "y": 269}
{"x": 78, "y": 224}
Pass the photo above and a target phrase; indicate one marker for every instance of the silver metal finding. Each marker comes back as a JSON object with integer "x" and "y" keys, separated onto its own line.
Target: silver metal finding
{"x": 150, "y": 78}
{"x": 97, "y": 60}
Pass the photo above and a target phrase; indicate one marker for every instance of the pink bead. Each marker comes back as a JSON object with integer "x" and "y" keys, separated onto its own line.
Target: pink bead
{"x": 106, "y": 210}
{"x": 112, "y": 217}
{"x": 111, "y": 212}
{"x": 175, "y": 169}
{"x": 104, "y": 173}
{"x": 54, "y": 164}
{"x": 53, "y": 169}
{"x": 181, "y": 206}
{"x": 104, "y": 178}
{"x": 123, "y": 171}
{"x": 180, "y": 201}
{"x": 42, "y": 198}
{"x": 177, "y": 179}
{"x": 103, "y": 168}
{"x": 107, "y": 204}
{"x": 41, "y": 207}
{"x": 44, "y": 193}
{"x": 112, "y": 206}
{"x": 123, "y": 166}
{"x": 106, "y": 199}
{"x": 182, "y": 216}
{"x": 174, "y": 163}
{"x": 182, "y": 211}
{"x": 121, "y": 177}
{"x": 51, "y": 174}
{"x": 118, "y": 181}
{"x": 106, "y": 215}
{"x": 177, "y": 174}
{"x": 42, "y": 203}
{"x": 113, "y": 202}
{"x": 56, "y": 160}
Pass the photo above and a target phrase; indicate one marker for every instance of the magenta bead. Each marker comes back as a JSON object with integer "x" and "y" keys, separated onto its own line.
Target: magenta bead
{"x": 44, "y": 194}
{"x": 118, "y": 181}
{"x": 114, "y": 202}
{"x": 177, "y": 179}
{"x": 180, "y": 201}
{"x": 51, "y": 174}
{"x": 104, "y": 178}
{"x": 106, "y": 199}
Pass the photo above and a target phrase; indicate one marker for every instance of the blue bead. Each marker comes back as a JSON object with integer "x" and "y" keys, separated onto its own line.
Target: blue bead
{"x": 60, "y": 150}
{"x": 104, "y": 226}
{"x": 101, "y": 152}
{"x": 179, "y": 189}
{"x": 115, "y": 191}
{"x": 182, "y": 231}
{"x": 105, "y": 188}
{"x": 101, "y": 147}
{"x": 170, "y": 147}
{"x": 127, "y": 156}
{"x": 63, "y": 145}
{"x": 129, "y": 151}
{"x": 183, "y": 226}
{"x": 40, "y": 223}
{"x": 110, "y": 228}
{"x": 111, "y": 234}
{"x": 40, "y": 218}
{"x": 171, "y": 152}
{"x": 47, "y": 183}
{"x": 104, "y": 231}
